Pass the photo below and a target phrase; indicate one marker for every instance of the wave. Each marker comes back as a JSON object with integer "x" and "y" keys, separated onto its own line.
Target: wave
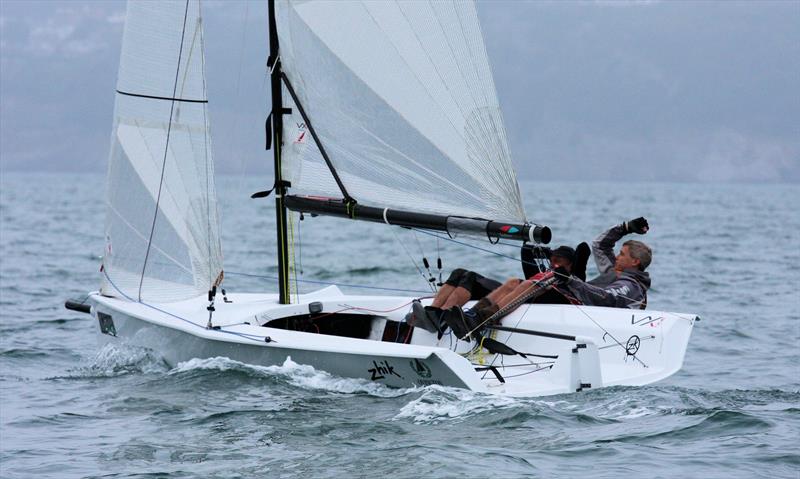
{"x": 609, "y": 405}
{"x": 291, "y": 373}
{"x": 28, "y": 353}
{"x": 118, "y": 359}
{"x": 438, "y": 403}
{"x": 717, "y": 424}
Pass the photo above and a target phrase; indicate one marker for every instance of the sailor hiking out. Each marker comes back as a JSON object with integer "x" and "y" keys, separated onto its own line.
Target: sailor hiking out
{"x": 623, "y": 281}
{"x": 463, "y": 286}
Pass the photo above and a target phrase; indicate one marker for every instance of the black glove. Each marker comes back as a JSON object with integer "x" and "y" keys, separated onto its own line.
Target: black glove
{"x": 582, "y": 254}
{"x": 562, "y": 276}
{"x": 638, "y": 226}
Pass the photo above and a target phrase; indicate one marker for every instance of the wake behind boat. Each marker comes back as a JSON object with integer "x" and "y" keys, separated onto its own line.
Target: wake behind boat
{"x": 381, "y": 111}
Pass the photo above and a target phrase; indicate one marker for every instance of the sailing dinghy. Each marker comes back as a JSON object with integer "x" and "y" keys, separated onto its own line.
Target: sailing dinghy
{"x": 381, "y": 111}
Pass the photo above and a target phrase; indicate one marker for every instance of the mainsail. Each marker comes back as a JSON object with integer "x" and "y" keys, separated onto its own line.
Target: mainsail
{"x": 162, "y": 226}
{"x": 402, "y": 99}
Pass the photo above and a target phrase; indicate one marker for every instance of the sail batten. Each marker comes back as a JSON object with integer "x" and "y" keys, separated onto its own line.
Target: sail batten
{"x": 402, "y": 98}
{"x": 162, "y": 227}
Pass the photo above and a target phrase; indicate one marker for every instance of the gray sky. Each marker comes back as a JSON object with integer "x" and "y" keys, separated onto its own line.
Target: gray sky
{"x": 648, "y": 90}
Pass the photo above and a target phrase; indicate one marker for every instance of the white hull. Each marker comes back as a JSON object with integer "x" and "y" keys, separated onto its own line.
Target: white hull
{"x": 610, "y": 346}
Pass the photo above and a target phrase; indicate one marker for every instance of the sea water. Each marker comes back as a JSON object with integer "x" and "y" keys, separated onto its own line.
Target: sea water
{"x": 68, "y": 408}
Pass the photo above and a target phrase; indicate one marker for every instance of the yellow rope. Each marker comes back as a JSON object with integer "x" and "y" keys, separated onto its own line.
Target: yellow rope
{"x": 480, "y": 355}
{"x": 477, "y": 352}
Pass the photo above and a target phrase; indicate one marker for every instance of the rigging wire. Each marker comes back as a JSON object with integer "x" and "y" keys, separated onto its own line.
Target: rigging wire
{"x": 509, "y": 338}
{"x": 419, "y": 270}
{"x": 292, "y": 260}
{"x": 439, "y": 263}
{"x": 447, "y": 238}
{"x": 300, "y": 245}
{"x": 330, "y": 283}
{"x": 431, "y": 279}
{"x": 252, "y": 337}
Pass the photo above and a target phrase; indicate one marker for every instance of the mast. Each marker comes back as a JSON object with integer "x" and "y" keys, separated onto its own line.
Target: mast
{"x": 277, "y": 111}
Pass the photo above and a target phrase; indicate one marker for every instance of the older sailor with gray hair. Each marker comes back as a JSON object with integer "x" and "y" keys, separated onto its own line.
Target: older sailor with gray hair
{"x": 623, "y": 281}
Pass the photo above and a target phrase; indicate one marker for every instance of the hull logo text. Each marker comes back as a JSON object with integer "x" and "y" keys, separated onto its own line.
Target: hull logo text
{"x": 380, "y": 370}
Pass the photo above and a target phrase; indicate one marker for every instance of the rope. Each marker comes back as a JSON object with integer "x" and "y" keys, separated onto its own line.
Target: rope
{"x": 425, "y": 263}
{"x": 252, "y": 337}
{"x": 439, "y": 262}
{"x": 419, "y": 270}
{"x": 447, "y": 238}
{"x": 292, "y": 260}
{"x": 598, "y": 325}
{"x": 329, "y": 283}
{"x": 515, "y": 303}
{"x": 509, "y": 338}
{"x": 300, "y": 245}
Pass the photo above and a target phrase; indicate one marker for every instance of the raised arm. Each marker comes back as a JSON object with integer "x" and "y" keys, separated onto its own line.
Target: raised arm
{"x": 603, "y": 245}
{"x": 603, "y": 248}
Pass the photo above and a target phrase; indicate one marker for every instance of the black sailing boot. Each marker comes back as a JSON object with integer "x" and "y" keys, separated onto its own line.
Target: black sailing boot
{"x": 471, "y": 321}
{"x": 421, "y": 317}
{"x": 435, "y": 317}
{"x": 460, "y": 321}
